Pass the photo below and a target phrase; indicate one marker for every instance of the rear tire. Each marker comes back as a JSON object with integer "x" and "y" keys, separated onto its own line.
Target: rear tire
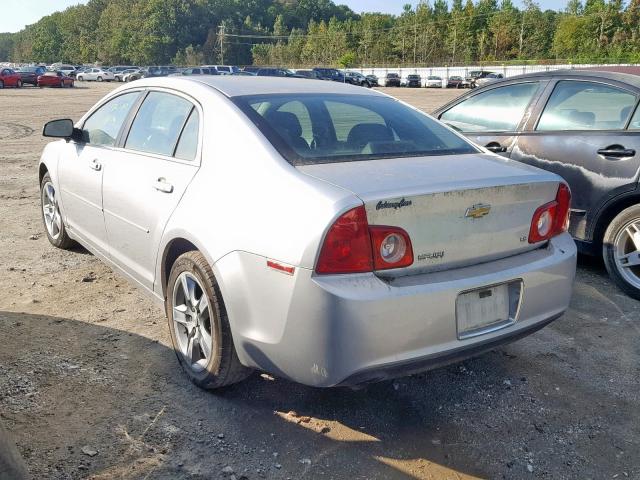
{"x": 620, "y": 239}
{"x": 190, "y": 325}
{"x": 1, "y": 84}
{"x": 99, "y": 79}
{"x": 19, "y": 84}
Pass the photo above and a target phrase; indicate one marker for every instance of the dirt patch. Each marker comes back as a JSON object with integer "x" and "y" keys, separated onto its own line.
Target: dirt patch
{"x": 90, "y": 388}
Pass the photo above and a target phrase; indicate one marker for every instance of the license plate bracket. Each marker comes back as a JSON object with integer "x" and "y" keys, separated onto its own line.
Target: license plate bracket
{"x": 486, "y": 309}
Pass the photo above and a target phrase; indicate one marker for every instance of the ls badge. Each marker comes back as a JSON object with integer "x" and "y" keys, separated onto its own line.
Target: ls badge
{"x": 478, "y": 211}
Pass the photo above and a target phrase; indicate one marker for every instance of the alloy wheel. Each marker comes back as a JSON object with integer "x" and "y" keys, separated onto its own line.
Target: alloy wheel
{"x": 627, "y": 252}
{"x": 51, "y": 211}
{"x": 192, "y": 321}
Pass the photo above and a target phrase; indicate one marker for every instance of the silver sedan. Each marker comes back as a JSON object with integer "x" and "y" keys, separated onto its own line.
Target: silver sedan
{"x": 318, "y": 231}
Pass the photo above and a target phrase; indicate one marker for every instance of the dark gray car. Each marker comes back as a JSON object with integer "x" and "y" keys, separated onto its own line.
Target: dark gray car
{"x": 583, "y": 125}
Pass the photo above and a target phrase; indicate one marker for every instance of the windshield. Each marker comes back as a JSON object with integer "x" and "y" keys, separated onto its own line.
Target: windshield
{"x": 321, "y": 128}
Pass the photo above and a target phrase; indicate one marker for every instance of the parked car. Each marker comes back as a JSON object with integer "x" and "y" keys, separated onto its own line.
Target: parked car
{"x": 433, "y": 81}
{"x": 197, "y": 71}
{"x": 356, "y": 78}
{"x": 373, "y": 80}
{"x": 119, "y": 76}
{"x": 29, "y": 75}
{"x": 242, "y": 73}
{"x": 485, "y": 80}
{"x": 160, "y": 71}
{"x": 121, "y": 68}
{"x": 414, "y": 81}
{"x": 251, "y": 69}
{"x": 137, "y": 75}
{"x": 332, "y": 74}
{"x": 224, "y": 69}
{"x": 475, "y": 75}
{"x": 584, "y": 126}
{"x": 66, "y": 69}
{"x": 95, "y": 75}
{"x": 277, "y": 72}
{"x": 10, "y": 78}
{"x": 389, "y": 244}
{"x": 55, "y": 79}
{"x": 456, "y": 81}
{"x": 308, "y": 74}
{"x": 392, "y": 80}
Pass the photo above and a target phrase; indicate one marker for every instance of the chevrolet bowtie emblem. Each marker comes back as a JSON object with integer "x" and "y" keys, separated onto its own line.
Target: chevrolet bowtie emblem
{"x": 478, "y": 211}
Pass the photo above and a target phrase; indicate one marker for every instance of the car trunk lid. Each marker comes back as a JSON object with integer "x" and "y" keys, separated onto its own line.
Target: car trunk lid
{"x": 457, "y": 210}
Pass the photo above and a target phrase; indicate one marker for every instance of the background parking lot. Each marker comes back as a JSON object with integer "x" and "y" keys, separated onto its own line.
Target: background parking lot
{"x": 90, "y": 387}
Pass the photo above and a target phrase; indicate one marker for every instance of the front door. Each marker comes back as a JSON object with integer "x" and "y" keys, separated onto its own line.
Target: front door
{"x": 491, "y": 118}
{"x": 142, "y": 187}
{"x": 81, "y": 170}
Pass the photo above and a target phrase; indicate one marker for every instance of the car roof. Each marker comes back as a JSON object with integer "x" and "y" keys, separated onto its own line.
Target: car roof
{"x": 236, "y": 86}
{"x": 601, "y": 73}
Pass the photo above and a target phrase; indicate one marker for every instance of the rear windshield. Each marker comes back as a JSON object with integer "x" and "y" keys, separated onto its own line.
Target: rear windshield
{"x": 313, "y": 128}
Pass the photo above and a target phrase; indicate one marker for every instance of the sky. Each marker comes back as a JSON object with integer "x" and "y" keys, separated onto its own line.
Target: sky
{"x": 18, "y": 13}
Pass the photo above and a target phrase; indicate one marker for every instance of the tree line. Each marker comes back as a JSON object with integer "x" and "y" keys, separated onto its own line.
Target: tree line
{"x": 319, "y": 32}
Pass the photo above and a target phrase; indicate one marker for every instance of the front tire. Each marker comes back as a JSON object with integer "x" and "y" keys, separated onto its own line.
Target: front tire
{"x": 199, "y": 325}
{"x": 19, "y": 84}
{"x": 621, "y": 250}
{"x": 51, "y": 215}
{"x": 99, "y": 79}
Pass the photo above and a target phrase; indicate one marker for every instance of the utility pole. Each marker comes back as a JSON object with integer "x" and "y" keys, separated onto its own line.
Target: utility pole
{"x": 221, "y": 38}
{"x": 455, "y": 41}
{"x": 524, "y": 14}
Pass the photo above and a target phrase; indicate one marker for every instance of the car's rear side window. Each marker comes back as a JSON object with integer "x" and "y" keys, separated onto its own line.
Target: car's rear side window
{"x": 188, "y": 143}
{"x": 158, "y": 123}
{"x": 577, "y": 105}
{"x": 347, "y": 128}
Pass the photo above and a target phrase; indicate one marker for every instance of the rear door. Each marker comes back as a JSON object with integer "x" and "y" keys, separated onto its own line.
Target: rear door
{"x": 492, "y": 117}
{"x": 143, "y": 185}
{"x": 581, "y": 134}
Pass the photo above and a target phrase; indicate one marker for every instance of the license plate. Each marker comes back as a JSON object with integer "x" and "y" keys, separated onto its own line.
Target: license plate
{"x": 486, "y": 309}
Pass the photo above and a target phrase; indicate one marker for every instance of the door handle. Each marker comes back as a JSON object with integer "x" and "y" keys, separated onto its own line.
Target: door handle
{"x": 95, "y": 165}
{"x": 616, "y": 151}
{"x": 495, "y": 147}
{"x": 163, "y": 186}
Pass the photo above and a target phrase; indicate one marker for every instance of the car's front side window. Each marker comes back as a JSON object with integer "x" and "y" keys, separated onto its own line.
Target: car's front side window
{"x": 497, "y": 110}
{"x": 103, "y": 126}
{"x": 158, "y": 124}
{"x": 577, "y": 105}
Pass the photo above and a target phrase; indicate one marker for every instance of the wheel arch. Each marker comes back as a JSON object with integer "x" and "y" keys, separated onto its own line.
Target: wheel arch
{"x": 172, "y": 251}
{"x": 42, "y": 171}
{"x": 608, "y": 213}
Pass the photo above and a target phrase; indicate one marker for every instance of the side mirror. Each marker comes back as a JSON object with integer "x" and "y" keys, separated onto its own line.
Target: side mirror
{"x": 62, "y": 128}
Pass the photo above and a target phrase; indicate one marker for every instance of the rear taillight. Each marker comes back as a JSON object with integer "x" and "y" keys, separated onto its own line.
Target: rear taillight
{"x": 347, "y": 245}
{"x": 552, "y": 218}
{"x": 352, "y": 246}
{"x": 391, "y": 248}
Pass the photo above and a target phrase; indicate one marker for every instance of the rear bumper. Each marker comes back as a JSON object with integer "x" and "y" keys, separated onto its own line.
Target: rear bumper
{"x": 350, "y": 329}
{"x": 440, "y": 359}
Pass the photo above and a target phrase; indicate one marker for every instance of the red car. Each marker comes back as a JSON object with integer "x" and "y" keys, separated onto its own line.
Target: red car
{"x": 55, "y": 79}
{"x": 9, "y": 78}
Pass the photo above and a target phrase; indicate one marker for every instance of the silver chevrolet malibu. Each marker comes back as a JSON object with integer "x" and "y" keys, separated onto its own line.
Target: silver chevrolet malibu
{"x": 318, "y": 231}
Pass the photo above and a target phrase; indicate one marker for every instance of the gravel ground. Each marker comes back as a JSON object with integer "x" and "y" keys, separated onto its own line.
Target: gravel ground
{"x": 90, "y": 387}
